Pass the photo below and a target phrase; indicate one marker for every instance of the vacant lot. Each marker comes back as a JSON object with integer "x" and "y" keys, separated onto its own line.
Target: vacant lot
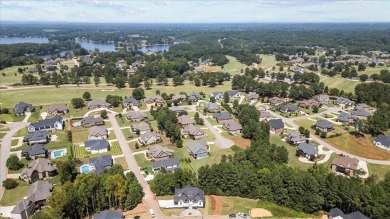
{"x": 340, "y": 83}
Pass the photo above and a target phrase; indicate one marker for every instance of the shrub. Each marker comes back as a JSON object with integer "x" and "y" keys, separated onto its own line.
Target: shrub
{"x": 13, "y": 163}
{"x": 10, "y": 184}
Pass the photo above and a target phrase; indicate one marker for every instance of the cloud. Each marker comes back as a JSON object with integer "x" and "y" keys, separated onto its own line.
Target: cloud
{"x": 161, "y": 2}
{"x": 207, "y": 3}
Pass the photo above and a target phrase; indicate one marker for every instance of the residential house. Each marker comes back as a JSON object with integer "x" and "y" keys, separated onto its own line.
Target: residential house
{"x": 136, "y": 64}
{"x": 382, "y": 141}
{"x": 233, "y": 93}
{"x": 55, "y": 123}
{"x": 364, "y": 107}
{"x": 179, "y": 97}
{"x": 132, "y": 70}
{"x": 120, "y": 63}
{"x": 156, "y": 99}
{"x": 33, "y": 70}
{"x": 149, "y": 138}
{"x": 158, "y": 152}
{"x": 211, "y": 107}
{"x": 233, "y": 128}
{"x": 355, "y": 78}
{"x": 36, "y": 150}
{"x": 199, "y": 69}
{"x": 322, "y": 98}
{"x": 217, "y": 95}
{"x": 345, "y": 118}
{"x": 169, "y": 164}
{"x": 198, "y": 149}
{"x": 87, "y": 59}
{"x": 360, "y": 114}
{"x": 336, "y": 213}
{"x": 130, "y": 102}
{"x": 308, "y": 150}
{"x": 194, "y": 96}
{"x": 265, "y": 115}
{"x": 289, "y": 108}
{"x": 295, "y": 138}
{"x": 192, "y": 131}
{"x": 136, "y": 116}
{"x": 90, "y": 121}
{"x": 189, "y": 196}
{"x": 38, "y": 169}
{"x": 222, "y": 117}
{"x": 369, "y": 80}
{"x": 346, "y": 165}
{"x": 96, "y": 104}
{"x": 177, "y": 109}
{"x": 101, "y": 163}
{"x": 41, "y": 136}
{"x": 276, "y": 101}
{"x": 276, "y": 126}
{"x": 298, "y": 70}
{"x": 97, "y": 132}
{"x": 344, "y": 102}
{"x": 142, "y": 127}
{"x": 57, "y": 109}
{"x": 36, "y": 197}
{"x": 21, "y": 108}
{"x": 308, "y": 104}
{"x": 97, "y": 64}
{"x": 97, "y": 146}
{"x": 324, "y": 125}
{"x": 252, "y": 96}
{"x": 109, "y": 214}
{"x": 185, "y": 120}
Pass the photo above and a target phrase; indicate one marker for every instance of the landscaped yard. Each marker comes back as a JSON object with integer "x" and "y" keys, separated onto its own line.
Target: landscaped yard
{"x": 80, "y": 152}
{"x": 62, "y": 141}
{"x": 14, "y": 142}
{"x": 21, "y": 133}
{"x": 121, "y": 161}
{"x": 79, "y": 135}
{"x": 12, "y": 196}
{"x": 6, "y": 117}
{"x": 128, "y": 134}
{"x": 35, "y": 115}
{"x": 143, "y": 163}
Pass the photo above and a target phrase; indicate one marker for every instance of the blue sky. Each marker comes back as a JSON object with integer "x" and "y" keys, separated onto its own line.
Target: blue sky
{"x": 196, "y": 11}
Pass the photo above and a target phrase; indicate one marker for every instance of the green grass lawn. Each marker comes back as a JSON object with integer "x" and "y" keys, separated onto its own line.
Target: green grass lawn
{"x": 267, "y": 61}
{"x": 77, "y": 112}
{"x": 24, "y": 161}
{"x": 62, "y": 141}
{"x": 233, "y": 67}
{"x": 21, "y": 133}
{"x": 35, "y": 115}
{"x": 340, "y": 83}
{"x": 121, "y": 161}
{"x": 6, "y": 117}
{"x": 128, "y": 134}
{"x": 122, "y": 122}
{"x": 310, "y": 111}
{"x": 14, "y": 142}
{"x": 377, "y": 169}
{"x": 2, "y": 134}
{"x": 80, "y": 152}
{"x": 12, "y": 196}
{"x": 12, "y": 76}
{"x": 23, "y": 146}
{"x": 369, "y": 71}
{"x": 143, "y": 163}
{"x": 79, "y": 135}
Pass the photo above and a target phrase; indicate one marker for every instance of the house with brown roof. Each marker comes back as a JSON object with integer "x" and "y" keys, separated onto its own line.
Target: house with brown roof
{"x": 252, "y": 96}
{"x": 179, "y": 97}
{"x": 90, "y": 121}
{"x": 136, "y": 116}
{"x": 149, "y": 138}
{"x": 233, "y": 128}
{"x": 40, "y": 168}
{"x": 276, "y": 101}
{"x": 346, "y": 165}
{"x": 142, "y": 127}
{"x": 308, "y": 103}
{"x": 185, "y": 120}
{"x": 265, "y": 115}
{"x": 295, "y": 138}
{"x": 96, "y": 104}
{"x": 192, "y": 131}
{"x": 97, "y": 132}
{"x": 158, "y": 152}
{"x": 156, "y": 99}
{"x": 57, "y": 109}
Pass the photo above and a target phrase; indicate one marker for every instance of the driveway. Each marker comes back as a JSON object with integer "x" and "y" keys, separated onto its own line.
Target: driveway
{"x": 28, "y": 114}
{"x": 220, "y": 141}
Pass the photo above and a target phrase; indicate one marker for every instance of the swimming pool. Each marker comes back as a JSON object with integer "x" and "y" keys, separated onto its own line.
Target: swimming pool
{"x": 59, "y": 153}
{"x": 85, "y": 168}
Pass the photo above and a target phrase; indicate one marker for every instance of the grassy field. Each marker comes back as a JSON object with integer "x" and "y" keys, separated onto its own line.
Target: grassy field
{"x": 233, "y": 67}
{"x": 143, "y": 163}
{"x": 121, "y": 161}
{"x": 12, "y": 196}
{"x": 11, "y": 75}
{"x": 369, "y": 71}
{"x": 340, "y": 83}
{"x": 267, "y": 61}
{"x": 128, "y": 134}
{"x": 377, "y": 169}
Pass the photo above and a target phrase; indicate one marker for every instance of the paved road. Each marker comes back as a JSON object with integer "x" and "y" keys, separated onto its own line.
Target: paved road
{"x": 5, "y": 150}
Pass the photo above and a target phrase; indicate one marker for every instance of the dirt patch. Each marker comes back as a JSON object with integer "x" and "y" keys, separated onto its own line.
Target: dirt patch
{"x": 260, "y": 212}
{"x": 211, "y": 68}
{"x": 241, "y": 142}
{"x": 216, "y": 205}
{"x": 140, "y": 210}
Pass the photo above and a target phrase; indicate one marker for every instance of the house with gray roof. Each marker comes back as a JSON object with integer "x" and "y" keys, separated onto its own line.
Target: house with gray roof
{"x": 149, "y": 138}
{"x": 97, "y": 146}
{"x": 90, "y": 121}
{"x": 38, "y": 169}
{"x": 194, "y": 96}
{"x": 21, "y": 108}
{"x": 55, "y": 123}
{"x": 222, "y": 117}
{"x": 289, "y": 108}
{"x": 382, "y": 141}
{"x": 177, "y": 109}
{"x": 344, "y": 102}
{"x": 57, "y": 109}
{"x": 189, "y": 196}
{"x": 360, "y": 114}
{"x": 156, "y": 99}
{"x": 193, "y": 132}
{"x": 36, "y": 150}
{"x": 336, "y": 213}
{"x": 198, "y": 149}
{"x": 252, "y": 96}
{"x": 233, "y": 93}
{"x": 97, "y": 132}
{"x": 36, "y": 197}
{"x": 322, "y": 98}
{"x": 211, "y": 107}
{"x": 295, "y": 138}
{"x": 101, "y": 163}
{"x": 264, "y": 115}
{"x": 364, "y": 107}
{"x": 109, "y": 214}
{"x": 130, "y": 102}
{"x": 276, "y": 126}
{"x": 324, "y": 125}
{"x": 96, "y": 104}
{"x": 169, "y": 164}
{"x": 136, "y": 116}
{"x": 142, "y": 127}
{"x": 345, "y": 118}
{"x": 233, "y": 128}
{"x": 33, "y": 70}
{"x": 185, "y": 120}
{"x": 41, "y": 136}
{"x": 217, "y": 95}
{"x": 308, "y": 150}
{"x": 158, "y": 152}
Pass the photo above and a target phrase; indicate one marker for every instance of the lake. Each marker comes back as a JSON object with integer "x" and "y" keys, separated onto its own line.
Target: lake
{"x": 89, "y": 45}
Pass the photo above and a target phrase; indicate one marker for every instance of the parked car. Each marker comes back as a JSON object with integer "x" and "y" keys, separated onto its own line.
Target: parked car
{"x": 232, "y": 215}
{"x": 151, "y": 213}
{"x": 242, "y": 214}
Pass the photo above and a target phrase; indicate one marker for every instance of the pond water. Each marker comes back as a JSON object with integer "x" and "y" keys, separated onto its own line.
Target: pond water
{"x": 14, "y": 40}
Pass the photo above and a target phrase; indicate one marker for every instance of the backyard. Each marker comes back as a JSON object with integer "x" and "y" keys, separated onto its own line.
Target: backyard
{"x": 80, "y": 152}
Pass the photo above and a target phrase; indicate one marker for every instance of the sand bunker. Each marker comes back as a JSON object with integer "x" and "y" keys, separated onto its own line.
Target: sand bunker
{"x": 260, "y": 212}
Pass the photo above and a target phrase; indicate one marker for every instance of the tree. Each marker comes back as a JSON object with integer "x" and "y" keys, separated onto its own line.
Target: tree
{"x": 212, "y": 99}
{"x": 86, "y": 95}
{"x": 363, "y": 77}
{"x": 66, "y": 170}
{"x": 69, "y": 134}
{"x": 10, "y": 183}
{"x": 147, "y": 84}
{"x": 135, "y": 193}
{"x": 138, "y": 93}
{"x": 77, "y": 103}
{"x": 13, "y": 163}
{"x": 103, "y": 114}
{"x": 20, "y": 70}
{"x": 96, "y": 80}
{"x": 315, "y": 109}
{"x": 226, "y": 97}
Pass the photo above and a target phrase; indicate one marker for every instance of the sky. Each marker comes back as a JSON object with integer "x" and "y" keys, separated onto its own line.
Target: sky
{"x": 196, "y": 11}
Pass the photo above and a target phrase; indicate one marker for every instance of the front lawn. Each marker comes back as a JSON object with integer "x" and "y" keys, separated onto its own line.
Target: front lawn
{"x": 14, "y": 142}
{"x": 6, "y": 117}
{"x": 62, "y": 141}
{"x": 128, "y": 134}
{"x": 121, "y": 161}
{"x": 143, "y": 163}
{"x": 12, "y": 196}
{"x": 35, "y": 115}
{"x": 21, "y": 133}
{"x": 24, "y": 161}
{"x": 79, "y": 135}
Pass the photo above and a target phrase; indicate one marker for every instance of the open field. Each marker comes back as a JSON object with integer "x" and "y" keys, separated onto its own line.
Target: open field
{"x": 340, "y": 83}
{"x": 369, "y": 71}
{"x": 12, "y": 196}
{"x": 377, "y": 169}
{"x": 233, "y": 67}
{"x": 267, "y": 61}
{"x": 11, "y": 75}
